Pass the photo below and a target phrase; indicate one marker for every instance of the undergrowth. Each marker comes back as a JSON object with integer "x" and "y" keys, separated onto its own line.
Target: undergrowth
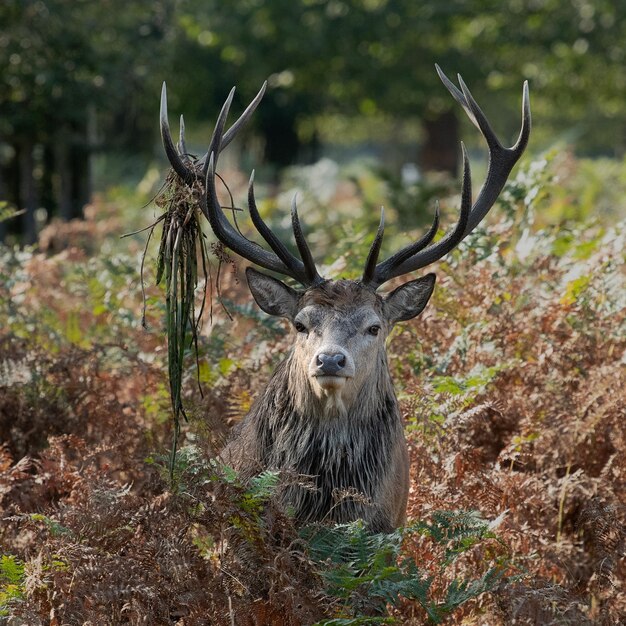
{"x": 368, "y": 571}
{"x": 511, "y": 383}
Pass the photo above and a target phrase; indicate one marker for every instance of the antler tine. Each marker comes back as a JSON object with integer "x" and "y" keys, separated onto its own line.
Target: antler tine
{"x": 311, "y": 275}
{"x": 215, "y": 144}
{"x": 480, "y": 120}
{"x": 174, "y": 158}
{"x": 524, "y": 133}
{"x": 182, "y": 146}
{"x": 280, "y": 260}
{"x": 274, "y": 242}
{"x": 501, "y": 162}
{"x": 230, "y": 237}
{"x": 399, "y": 257}
{"x": 230, "y": 134}
{"x": 177, "y": 155}
{"x": 402, "y": 262}
{"x": 372, "y": 257}
{"x": 501, "y": 159}
{"x": 456, "y": 94}
{"x": 429, "y": 255}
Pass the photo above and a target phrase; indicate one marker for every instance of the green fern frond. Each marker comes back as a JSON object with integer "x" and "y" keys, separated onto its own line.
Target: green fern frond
{"x": 11, "y": 582}
{"x": 360, "y": 567}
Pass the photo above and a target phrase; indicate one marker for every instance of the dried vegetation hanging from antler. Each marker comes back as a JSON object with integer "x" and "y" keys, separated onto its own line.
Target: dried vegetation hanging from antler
{"x": 181, "y": 261}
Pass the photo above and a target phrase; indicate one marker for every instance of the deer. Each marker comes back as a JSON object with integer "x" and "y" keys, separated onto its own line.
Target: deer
{"x": 329, "y": 411}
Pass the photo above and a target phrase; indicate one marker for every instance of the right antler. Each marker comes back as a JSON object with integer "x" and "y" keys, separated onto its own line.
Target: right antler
{"x": 501, "y": 161}
{"x": 281, "y": 260}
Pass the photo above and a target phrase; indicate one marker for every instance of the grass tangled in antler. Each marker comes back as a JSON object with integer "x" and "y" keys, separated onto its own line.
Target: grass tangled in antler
{"x": 182, "y": 252}
{"x": 182, "y": 244}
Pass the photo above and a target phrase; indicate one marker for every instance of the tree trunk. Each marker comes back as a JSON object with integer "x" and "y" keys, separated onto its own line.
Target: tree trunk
{"x": 81, "y": 180}
{"x": 64, "y": 180}
{"x": 276, "y": 121}
{"x": 440, "y": 151}
{"x": 28, "y": 191}
{"x": 4, "y": 196}
{"x": 80, "y": 165}
{"x": 47, "y": 197}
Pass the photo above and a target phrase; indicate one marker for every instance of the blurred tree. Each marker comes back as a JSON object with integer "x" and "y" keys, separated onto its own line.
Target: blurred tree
{"x": 358, "y": 57}
{"x": 376, "y": 58}
{"x": 573, "y": 52}
{"x": 79, "y": 76}
{"x": 73, "y": 80}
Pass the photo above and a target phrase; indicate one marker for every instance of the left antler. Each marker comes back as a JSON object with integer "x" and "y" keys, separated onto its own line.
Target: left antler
{"x": 186, "y": 167}
{"x": 501, "y": 161}
{"x": 280, "y": 259}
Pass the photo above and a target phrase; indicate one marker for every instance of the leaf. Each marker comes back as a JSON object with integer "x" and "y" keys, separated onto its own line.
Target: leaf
{"x": 574, "y": 289}
{"x": 11, "y": 569}
{"x": 73, "y": 332}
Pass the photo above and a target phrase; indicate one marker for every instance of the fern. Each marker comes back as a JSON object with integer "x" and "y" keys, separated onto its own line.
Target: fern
{"x": 457, "y": 530}
{"x": 461, "y": 591}
{"x": 11, "y": 582}
{"x": 263, "y": 486}
{"x": 52, "y": 525}
{"x": 366, "y": 570}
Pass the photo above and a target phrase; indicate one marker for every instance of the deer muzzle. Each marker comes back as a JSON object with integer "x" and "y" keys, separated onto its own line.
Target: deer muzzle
{"x": 331, "y": 367}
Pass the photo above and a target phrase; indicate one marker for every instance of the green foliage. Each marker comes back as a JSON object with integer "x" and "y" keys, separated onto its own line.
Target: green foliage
{"x": 11, "y": 582}
{"x": 414, "y": 202}
{"x": 470, "y": 386}
{"x": 367, "y": 571}
{"x": 450, "y": 396}
{"x": 60, "y": 58}
{"x": 182, "y": 243}
{"x": 376, "y": 59}
{"x": 83, "y": 77}
{"x": 458, "y": 531}
{"x": 52, "y": 525}
{"x": 188, "y": 466}
{"x": 94, "y": 309}
{"x": 8, "y": 212}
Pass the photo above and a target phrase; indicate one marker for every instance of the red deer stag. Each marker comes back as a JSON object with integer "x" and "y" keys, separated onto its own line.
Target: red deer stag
{"x": 329, "y": 411}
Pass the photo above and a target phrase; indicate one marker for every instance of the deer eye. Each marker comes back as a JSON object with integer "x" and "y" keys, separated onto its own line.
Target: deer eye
{"x": 300, "y": 327}
{"x": 374, "y": 330}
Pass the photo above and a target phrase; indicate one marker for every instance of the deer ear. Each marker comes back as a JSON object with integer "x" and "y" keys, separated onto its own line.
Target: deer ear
{"x": 409, "y": 300}
{"x": 273, "y": 296}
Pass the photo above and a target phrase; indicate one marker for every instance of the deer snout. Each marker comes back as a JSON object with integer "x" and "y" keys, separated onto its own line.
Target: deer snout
{"x": 333, "y": 361}
{"x": 330, "y": 364}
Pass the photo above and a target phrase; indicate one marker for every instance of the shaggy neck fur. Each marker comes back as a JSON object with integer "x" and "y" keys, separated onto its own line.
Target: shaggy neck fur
{"x": 343, "y": 447}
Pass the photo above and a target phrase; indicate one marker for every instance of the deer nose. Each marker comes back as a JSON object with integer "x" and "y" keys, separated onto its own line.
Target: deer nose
{"x": 330, "y": 364}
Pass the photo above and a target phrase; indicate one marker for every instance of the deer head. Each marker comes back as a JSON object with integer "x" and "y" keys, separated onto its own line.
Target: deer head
{"x": 341, "y": 326}
{"x": 340, "y": 330}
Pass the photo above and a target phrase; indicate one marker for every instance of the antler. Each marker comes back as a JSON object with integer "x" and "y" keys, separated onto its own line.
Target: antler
{"x": 281, "y": 260}
{"x": 178, "y": 156}
{"x": 501, "y": 161}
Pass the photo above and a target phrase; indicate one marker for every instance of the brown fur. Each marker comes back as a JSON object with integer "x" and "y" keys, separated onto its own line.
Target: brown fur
{"x": 340, "y": 294}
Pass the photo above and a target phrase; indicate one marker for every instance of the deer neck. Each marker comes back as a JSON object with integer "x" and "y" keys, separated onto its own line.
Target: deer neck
{"x": 340, "y": 449}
